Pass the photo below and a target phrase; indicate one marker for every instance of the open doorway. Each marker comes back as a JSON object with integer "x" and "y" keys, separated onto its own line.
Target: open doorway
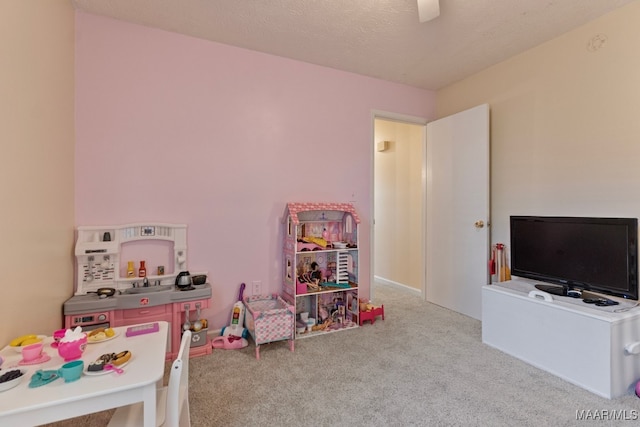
{"x": 399, "y": 204}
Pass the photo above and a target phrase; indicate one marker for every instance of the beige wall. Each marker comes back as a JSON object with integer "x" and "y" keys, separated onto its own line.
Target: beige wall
{"x": 36, "y": 177}
{"x": 398, "y": 199}
{"x": 565, "y": 124}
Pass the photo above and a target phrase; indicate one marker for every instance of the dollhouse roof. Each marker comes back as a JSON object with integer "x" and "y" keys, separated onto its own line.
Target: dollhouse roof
{"x": 329, "y": 209}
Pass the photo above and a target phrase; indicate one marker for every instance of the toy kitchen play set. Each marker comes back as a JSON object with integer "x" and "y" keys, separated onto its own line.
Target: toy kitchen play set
{"x": 111, "y": 291}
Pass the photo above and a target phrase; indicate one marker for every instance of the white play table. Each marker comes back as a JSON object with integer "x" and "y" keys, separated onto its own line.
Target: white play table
{"x": 24, "y": 406}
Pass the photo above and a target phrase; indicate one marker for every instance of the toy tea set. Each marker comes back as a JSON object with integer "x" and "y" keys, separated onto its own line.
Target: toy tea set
{"x": 70, "y": 344}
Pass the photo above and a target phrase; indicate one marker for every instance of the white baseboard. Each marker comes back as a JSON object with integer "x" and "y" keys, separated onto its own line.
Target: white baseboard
{"x": 386, "y": 282}
{"x": 214, "y": 333}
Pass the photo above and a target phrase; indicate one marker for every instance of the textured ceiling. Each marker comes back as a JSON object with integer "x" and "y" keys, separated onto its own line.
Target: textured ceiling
{"x": 377, "y": 38}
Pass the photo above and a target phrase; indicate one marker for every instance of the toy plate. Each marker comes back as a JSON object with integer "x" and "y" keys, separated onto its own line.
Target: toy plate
{"x": 14, "y": 382}
{"x": 44, "y": 357}
{"x": 89, "y": 341}
{"x": 40, "y": 377}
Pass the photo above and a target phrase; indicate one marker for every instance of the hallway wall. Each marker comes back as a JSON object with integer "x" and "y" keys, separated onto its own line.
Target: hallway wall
{"x": 398, "y": 204}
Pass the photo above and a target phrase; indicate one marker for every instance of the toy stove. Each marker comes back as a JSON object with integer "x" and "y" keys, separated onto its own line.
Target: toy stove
{"x": 90, "y": 321}
{"x": 89, "y": 311}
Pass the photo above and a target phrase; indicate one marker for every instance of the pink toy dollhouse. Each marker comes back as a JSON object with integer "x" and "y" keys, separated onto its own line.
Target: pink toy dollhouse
{"x": 321, "y": 265}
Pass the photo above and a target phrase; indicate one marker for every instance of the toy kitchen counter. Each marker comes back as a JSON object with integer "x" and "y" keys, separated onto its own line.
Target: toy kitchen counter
{"x": 143, "y": 305}
{"x": 123, "y": 300}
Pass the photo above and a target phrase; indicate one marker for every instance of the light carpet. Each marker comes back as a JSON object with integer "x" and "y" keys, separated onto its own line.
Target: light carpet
{"x": 423, "y": 365}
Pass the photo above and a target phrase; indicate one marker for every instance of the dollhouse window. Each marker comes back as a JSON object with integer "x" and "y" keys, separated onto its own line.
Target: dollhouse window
{"x": 348, "y": 225}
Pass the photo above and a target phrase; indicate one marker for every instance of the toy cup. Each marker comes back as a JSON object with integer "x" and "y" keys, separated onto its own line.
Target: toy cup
{"x": 57, "y": 336}
{"x": 71, "y": 350}
{"x": 32, "y": 352}
{"x": 71, "y": 371}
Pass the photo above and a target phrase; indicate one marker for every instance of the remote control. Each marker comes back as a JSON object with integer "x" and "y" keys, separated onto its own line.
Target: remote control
{"x": 606, "y": 302}
{"x": 147, "y": 328}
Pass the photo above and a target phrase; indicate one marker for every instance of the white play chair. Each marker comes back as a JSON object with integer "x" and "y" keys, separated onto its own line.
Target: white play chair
{"x": 172, "y": 401}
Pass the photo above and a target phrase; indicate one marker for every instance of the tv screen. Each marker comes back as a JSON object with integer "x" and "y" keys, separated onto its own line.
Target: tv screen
{"x": 596, "y": 254}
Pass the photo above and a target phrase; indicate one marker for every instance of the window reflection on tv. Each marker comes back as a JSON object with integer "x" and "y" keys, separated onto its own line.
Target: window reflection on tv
{"x": 584, "y": 253}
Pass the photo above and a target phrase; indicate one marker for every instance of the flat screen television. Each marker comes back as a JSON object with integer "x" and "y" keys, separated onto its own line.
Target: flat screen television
{"x": 577, "y": 253}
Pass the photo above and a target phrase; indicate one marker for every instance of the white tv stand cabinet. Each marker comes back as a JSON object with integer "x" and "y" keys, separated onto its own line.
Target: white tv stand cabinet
{"x": 587, "y": 346}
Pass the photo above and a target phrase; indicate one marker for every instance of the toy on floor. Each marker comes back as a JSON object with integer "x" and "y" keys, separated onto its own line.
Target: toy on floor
{"x": 229, "y": 342}
{"x": 236, "y": 326}
{"x": 270, "y": 319}
{"x": 369, "y": 312}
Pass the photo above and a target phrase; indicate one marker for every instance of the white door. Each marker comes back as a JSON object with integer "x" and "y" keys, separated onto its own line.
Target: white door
{"x": 457, "y": 247}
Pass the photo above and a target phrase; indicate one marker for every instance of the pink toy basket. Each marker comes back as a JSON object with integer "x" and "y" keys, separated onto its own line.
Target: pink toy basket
{"x": 269, "y": 318}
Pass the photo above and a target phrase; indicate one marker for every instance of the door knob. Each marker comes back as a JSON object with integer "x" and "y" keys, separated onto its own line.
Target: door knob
{"x": 479, "y": 224}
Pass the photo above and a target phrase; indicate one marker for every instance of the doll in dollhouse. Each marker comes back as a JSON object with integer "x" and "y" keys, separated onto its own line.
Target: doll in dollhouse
{"x": 312, "y": 277}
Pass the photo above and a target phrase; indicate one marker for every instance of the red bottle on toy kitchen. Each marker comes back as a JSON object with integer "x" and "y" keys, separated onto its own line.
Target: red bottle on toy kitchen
{"x": 142, "y": 271}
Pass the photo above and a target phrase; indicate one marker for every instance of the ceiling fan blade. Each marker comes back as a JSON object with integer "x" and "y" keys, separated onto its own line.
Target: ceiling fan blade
{"x": 428, "y": 9}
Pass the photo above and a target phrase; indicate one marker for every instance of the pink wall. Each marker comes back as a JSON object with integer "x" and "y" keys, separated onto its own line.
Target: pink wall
{"x": 175, "y": 129}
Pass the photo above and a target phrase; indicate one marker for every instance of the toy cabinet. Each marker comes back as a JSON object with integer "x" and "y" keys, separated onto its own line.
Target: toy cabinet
{"x": 187, "y": 310}
{"x": 135, "y": 316}
{"x": 321, "y": 266}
